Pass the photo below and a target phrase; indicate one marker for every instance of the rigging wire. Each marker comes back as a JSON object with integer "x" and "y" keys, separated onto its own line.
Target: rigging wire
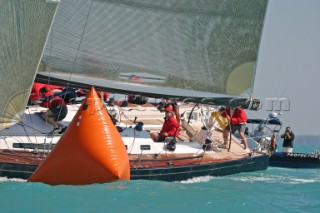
{"x": 74, "y": 61}
{"x": 76, "y": 56}
{"x": 22, "y": 124}
{"x": 32, "y": 126}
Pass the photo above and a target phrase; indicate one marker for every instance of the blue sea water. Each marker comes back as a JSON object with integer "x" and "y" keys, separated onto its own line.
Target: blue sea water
{"x": 272, "y": 190}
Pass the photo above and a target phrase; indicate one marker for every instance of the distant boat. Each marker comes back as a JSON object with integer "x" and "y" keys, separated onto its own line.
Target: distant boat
{"x": 271, "y": 126}
{"x": 295, "y": 160}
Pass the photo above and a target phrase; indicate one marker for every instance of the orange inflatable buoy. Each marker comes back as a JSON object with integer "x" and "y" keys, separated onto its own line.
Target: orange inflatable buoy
{"x": 90, "y": 151}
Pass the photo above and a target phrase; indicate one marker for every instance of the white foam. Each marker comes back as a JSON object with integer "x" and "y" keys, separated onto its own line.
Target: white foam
{"x": 5, "y": 179}
{"x": 275, "y": 179}
{"x": 299, "y": 180}
{"x": 253, "y": 179}
{"x": 202, "y": 179}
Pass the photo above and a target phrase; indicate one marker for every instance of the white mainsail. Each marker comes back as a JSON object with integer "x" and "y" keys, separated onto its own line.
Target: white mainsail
{"x": 177, "y": 48}
{"x": 24, "y": 28}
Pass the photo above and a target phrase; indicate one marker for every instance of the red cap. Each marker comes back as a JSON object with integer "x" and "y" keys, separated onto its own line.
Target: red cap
{"x": 169, "y": 108}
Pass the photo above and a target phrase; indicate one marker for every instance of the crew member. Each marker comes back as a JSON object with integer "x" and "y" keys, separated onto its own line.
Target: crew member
{"x": 238, "y": 119}
{"x": 170, "y": 127}
{"x": 57, "y": 112}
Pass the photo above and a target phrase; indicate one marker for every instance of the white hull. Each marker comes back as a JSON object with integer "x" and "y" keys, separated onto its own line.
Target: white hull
{"x": 33, "y": 134}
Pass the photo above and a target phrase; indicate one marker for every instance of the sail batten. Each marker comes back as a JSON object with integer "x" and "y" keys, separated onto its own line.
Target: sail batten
{"x": 197, "y": 45}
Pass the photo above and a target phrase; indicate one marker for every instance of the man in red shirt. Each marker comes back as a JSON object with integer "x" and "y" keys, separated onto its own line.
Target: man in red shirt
{"x": 238, "y": 120}
{"x": 39, "y": 91}
{"x": 170, "y": 127}
{"x": 57, "y": 112}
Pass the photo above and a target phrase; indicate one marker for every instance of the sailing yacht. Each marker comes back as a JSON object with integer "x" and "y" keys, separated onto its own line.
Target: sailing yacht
{"x": 202, "y": 52}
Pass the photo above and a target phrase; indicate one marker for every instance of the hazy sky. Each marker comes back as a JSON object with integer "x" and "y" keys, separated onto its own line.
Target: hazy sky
{"x": 289, "y": 63}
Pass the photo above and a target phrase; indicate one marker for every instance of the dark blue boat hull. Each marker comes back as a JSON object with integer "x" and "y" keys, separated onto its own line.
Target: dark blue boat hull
{"x": 179, "y": 173}
{"x": 11, "y": 170}
{"x": 294, "y": 160}
{"x": 169, "y": 173}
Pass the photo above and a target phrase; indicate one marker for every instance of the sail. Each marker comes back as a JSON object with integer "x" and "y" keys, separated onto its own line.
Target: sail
{"x": 24, "y": 30}
{"x": 178, "y": 48}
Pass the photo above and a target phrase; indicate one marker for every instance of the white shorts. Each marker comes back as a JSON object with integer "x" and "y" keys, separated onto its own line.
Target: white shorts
{"x": 287, "y": 149}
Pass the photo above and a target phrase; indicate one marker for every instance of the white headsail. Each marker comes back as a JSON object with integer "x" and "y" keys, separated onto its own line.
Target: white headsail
{"x": 24, "y": 28}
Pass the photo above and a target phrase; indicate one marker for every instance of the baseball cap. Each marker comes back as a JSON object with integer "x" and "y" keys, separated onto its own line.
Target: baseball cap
{"x": 169, "y": 109}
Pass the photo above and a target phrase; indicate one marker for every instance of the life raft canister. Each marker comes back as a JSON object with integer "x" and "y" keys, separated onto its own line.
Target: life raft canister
{"x": 223, "y": 122}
